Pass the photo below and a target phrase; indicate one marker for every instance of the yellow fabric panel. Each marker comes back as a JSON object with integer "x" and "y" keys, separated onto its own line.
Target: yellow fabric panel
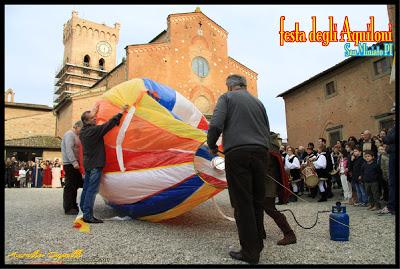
{"x": 204, "y": 193}
{"x": 151, "y": 111}
{"x": 125, "y": 93}
{"x": 82, "y": 226}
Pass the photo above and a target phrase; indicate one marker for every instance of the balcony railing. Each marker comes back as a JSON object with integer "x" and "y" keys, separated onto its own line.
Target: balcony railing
{"x": 62, "y": 68}
{"x": 64, "y": 76}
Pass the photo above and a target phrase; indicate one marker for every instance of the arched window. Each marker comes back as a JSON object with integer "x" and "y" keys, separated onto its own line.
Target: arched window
{"x": 86, "y": 60}
{"x": 101, "y": 64}
{"x": 200, "y": 66}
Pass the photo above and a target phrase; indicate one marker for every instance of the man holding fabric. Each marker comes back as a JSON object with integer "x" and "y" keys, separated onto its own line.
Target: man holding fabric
{"x": 91, "y": 137}
{"x": 243, "y": 121}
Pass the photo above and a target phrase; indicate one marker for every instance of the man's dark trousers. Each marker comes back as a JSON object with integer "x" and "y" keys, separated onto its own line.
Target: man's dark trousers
{"x": 73, "y": 181}
{"x": 246, "y": 172}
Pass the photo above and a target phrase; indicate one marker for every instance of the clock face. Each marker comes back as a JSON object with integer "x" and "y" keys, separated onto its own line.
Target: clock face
{"x": 103, "y": 48}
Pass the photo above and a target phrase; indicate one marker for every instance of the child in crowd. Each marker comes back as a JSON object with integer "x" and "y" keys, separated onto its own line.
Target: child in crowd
{"x": 349, "y": 150}
{"x": 22, "y": 177}
{"x": 358, "y": 161}
{"x": 346, "y": 184}
{"x": 370, "y": 174}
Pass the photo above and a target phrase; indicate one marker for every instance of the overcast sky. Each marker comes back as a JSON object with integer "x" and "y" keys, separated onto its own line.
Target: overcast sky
{"x": 34, "y": 48}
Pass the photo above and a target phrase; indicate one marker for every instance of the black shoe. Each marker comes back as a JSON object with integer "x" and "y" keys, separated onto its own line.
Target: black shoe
{"x": 92, "y": 220}
{"x": 72, "y": 211}
{"x": 237, "y": 255}
{"x": 98, "y": 219}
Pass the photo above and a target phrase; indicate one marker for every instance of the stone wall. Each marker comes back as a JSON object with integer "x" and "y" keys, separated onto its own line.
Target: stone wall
{"x": 20, "y": 123}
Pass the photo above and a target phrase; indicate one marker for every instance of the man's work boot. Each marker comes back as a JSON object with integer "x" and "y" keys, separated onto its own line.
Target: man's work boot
{"x": 289, "y": 236}
{"x": 323, "y": 197}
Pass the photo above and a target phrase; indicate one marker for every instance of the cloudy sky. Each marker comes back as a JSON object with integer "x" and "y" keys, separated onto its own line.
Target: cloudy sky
{"x": 34, "y": 48}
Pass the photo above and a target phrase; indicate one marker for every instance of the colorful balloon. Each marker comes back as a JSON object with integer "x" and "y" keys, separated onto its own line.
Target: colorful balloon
{"x": 157, "y": 164}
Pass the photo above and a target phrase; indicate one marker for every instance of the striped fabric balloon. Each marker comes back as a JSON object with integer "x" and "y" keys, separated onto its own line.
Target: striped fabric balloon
{"x": 157, "y": 166}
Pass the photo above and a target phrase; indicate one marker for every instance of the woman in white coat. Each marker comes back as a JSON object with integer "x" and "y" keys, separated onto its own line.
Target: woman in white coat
{"x": 56, "y": 176}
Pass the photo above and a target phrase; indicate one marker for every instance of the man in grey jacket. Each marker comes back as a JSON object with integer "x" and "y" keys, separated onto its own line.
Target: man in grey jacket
{"x": 243, "y": 122}
{"x": 73, "y": 178}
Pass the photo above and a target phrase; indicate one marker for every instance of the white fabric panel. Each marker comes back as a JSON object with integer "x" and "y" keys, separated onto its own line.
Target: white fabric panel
{"x": 186, "y": 110}
{"x": 204, "y": 166}
{"x": 131, "y": 187}
{"x": 121, "y": 136}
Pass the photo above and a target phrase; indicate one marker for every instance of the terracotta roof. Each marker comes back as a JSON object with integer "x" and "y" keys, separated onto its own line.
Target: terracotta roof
{"x": 47, "y": 142}
{"x": 26, "y": 105}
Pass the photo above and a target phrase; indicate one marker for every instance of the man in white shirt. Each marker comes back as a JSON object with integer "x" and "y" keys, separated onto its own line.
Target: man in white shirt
{"x": 322, "y": 172}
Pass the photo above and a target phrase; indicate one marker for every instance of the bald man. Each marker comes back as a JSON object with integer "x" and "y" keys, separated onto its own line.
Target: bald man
{"x": 368, "y": 144}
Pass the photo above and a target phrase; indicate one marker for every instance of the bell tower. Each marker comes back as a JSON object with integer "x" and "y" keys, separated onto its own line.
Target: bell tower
{"x": 89, "y": 54}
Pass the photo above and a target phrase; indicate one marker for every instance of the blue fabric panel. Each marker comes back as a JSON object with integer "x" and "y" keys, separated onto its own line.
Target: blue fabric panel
{"x": 163, "y": 201}
{"x": 204, "y": 153}
{"x": 167, "y": 95}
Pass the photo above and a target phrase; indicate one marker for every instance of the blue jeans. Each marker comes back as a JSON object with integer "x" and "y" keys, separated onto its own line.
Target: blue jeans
{"x": 91, "y": 185}
{"x": 361, "y": 193}
{"x": 392, "y": 184}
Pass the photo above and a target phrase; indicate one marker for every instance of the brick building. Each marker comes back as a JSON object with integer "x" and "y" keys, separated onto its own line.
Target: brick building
{"x": 342, "y": 101}
{"x": 29, "y": 130}
{"x": 191, "y": 56}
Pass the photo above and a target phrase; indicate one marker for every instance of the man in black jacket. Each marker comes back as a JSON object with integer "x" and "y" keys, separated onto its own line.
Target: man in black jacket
{"x": 243, "y": 121}
{"x": 94, "y": 159}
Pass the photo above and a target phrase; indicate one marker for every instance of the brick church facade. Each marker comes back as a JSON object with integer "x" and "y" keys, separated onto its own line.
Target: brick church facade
{"x": 191, "y": 56}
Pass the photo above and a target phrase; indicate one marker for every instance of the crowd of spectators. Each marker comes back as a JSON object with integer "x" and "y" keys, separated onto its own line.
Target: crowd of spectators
{"x": 33, "y": 174}
{"x": 359, "y": 167}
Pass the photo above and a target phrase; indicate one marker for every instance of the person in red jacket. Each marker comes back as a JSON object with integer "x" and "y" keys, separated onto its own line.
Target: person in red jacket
{"x": 47, "y": 175}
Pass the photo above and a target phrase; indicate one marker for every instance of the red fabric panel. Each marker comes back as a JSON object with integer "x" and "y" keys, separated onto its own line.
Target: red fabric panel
{"x": 135, "y": 160}
{"x": 203, "y": 124}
